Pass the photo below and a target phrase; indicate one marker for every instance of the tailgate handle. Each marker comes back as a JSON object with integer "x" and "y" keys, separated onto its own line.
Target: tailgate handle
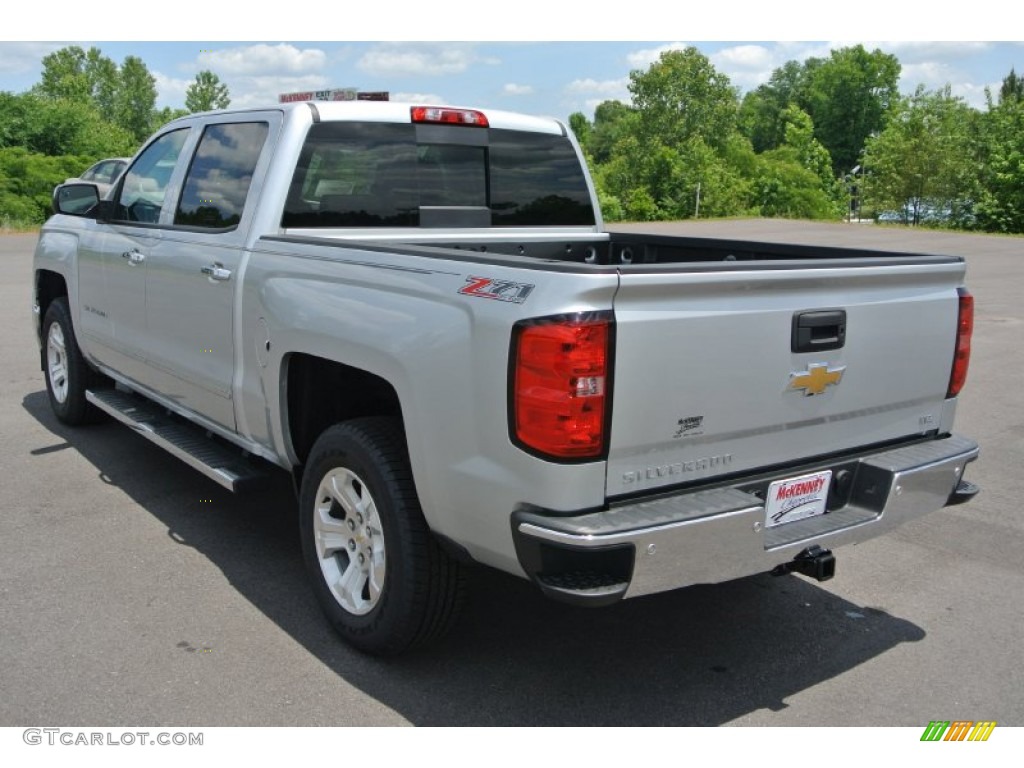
{"x": 819, "y": 330}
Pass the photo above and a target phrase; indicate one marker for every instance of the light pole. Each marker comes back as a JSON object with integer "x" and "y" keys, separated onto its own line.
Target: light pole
{"x": 855, "y": 192}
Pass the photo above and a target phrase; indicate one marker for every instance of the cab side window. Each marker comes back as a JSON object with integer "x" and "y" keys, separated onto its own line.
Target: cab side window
{"x": 142, "y": 192}
{"x": 218, "y": 179}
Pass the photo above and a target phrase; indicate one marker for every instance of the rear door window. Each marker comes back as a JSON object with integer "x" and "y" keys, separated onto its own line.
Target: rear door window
{"x": 355, "y": 175}
{"x": 219, "y": 177}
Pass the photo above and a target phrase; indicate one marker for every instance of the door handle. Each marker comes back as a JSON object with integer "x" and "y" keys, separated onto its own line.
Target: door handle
{"x": 818, "y": 331}
{"x": 216, "y": 271}
{"x": 134, "y": 256}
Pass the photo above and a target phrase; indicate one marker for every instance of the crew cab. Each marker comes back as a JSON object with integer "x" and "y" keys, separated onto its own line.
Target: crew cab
{"x": 418, "y": 313}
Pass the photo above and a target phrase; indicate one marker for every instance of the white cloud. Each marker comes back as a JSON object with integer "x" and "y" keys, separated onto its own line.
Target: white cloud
{"x": 254, "y": 74}
{"x": 927, "y": 72}
{"x": 514, "y": 89}
{"x": 396, "y": 59}
{"x": 644, "y": 58}
{"x": 974, "y": 93}
{"x": 920, "y": 51}
{"x": 170, "y": 91}
{"x": 609, "y": 88}
{"x": 593, "y": 104}
{"x": 935, "y": 75}
{"x": 261, "y": 59}
{"x": 746, "y": 57}
{"x": 587, "y": 93}
{"x": 746, "y": 65}
{"x": 244, "y": 90}
{"x": 749, "y": 66}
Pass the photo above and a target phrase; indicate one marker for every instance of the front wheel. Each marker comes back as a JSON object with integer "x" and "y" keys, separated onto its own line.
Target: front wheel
{"x": 68, "y": 375}
{"x": 380, "y": 576}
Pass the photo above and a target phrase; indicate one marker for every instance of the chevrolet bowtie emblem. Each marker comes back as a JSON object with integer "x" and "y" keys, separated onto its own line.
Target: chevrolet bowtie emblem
{"x": 815, "y": 379}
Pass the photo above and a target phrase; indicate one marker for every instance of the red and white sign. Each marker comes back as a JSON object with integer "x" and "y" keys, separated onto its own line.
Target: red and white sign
{"x": 797, "y": 498}
{"x": 330, "y": 94}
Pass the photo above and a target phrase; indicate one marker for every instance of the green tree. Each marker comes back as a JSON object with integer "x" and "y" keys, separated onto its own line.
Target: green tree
{"x": 27, "y": 180}
{"x": 675, "y": 153}
{"x": 104, "y": 80}
{"x": 812, "y": 156}
{"x": 1012, "y": 88}
{"x": 793, "y": 178}
{"x": 682, "y": 96}
{"x": 162, "y": 117}
{"x": 847, "y": 97}
{"x": 580, "y": 127}
{"x": 785, "y": 187}
{"x": 60, "y": 127}
{"x": 613, "y": 120}
{"x": 12, "y": 119}
{"x": 136, "y": 98}
{"x": 206, "y": 92}
{"x": 1001, "y": 204}
{"x": 654, "y": 181}
{"x": 761, "y": 111}
{"x": 123, "y": 95}
{"x": 80, "y": 76}
{"x": 64, "y": 75}
{"x": 925, "y": 164}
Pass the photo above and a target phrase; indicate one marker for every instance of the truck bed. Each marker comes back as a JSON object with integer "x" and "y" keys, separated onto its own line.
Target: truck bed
{"x": 701, "y": 246}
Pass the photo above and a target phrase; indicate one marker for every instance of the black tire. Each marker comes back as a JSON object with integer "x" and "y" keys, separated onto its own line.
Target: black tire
{"x": 406, "y": 591}
{"x": 67, "y": 373}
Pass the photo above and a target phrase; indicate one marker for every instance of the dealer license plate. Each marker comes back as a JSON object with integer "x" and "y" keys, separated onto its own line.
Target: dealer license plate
{"x": 797, "y": 498}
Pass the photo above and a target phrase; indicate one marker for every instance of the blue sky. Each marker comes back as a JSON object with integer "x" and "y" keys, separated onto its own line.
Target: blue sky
{"x": 552, "y": 77}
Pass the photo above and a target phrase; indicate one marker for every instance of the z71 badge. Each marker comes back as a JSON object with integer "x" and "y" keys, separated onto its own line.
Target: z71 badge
{"x": 502, "y": 290}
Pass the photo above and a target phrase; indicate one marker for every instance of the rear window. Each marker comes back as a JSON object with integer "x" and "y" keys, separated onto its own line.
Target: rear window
{"x": 387, "y": 175}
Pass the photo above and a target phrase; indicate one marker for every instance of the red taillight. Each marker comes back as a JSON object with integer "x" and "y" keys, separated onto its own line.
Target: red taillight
{"x": 962, "y": 356}
{"x": 560, "y": 380}
{"x": 449, "y": 116}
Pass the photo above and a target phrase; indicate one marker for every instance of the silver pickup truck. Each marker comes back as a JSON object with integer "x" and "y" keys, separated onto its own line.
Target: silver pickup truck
{"x": 417, "y": 312}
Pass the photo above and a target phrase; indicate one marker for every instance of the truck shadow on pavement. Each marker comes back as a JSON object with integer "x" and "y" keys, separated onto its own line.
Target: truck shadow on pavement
{"x": 700, "y": 656}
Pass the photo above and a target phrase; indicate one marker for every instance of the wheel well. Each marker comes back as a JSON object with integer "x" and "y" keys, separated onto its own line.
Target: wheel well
{"x": 49, "y": 286}
{"x": 322, "y": 393}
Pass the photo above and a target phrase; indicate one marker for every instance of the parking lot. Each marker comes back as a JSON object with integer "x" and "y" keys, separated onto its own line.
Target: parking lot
{"x": 133, "y": 590}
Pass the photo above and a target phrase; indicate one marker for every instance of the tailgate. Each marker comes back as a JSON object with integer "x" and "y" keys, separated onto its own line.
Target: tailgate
{"x": 707, "y": 382}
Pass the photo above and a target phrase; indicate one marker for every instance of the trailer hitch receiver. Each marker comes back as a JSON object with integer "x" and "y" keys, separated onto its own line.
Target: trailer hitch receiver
{"x": 818, "y": 563}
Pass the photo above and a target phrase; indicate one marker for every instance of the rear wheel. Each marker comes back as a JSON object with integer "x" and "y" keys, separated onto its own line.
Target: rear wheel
{"x": 380, "y": 576}
{"x": 68, "y": 375}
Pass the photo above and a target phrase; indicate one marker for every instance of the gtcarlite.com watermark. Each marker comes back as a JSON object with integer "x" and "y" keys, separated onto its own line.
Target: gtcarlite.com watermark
{"x": 72, "y": 738}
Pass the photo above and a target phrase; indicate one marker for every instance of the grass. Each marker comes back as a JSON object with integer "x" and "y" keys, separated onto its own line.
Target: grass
{"x": 17, "y": 227}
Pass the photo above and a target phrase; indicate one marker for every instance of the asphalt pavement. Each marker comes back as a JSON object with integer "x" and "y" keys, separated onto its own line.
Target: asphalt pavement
{"x": 134, "y": 591}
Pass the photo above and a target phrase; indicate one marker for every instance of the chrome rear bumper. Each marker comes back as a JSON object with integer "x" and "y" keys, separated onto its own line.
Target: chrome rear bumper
{"x": 720, "y": 534}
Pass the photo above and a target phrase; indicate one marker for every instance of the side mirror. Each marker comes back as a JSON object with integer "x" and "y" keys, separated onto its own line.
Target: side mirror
{"x": 75, "y": 199}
